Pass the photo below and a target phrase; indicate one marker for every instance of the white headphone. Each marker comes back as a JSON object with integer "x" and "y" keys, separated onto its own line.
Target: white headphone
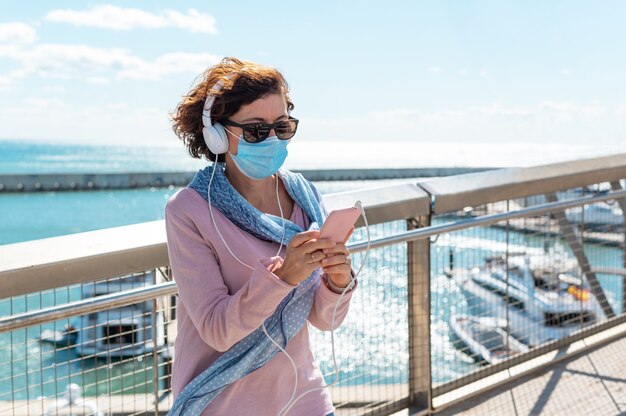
{"x": 214, "y": 134}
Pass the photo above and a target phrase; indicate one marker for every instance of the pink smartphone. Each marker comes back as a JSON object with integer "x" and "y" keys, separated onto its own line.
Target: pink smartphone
{"x": 339, "y": 223}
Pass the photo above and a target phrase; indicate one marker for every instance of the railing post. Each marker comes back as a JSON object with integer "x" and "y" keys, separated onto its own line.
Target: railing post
{"x": 155, "y": 355}
{"x": 617, "y": 186}
{"x": 420, "y": 380}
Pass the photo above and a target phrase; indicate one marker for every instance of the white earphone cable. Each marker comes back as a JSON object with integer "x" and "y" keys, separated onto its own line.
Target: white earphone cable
{"x": 213, "y": 219}
{"x": 295, "y": 368}
{"x": 291, "y": 401}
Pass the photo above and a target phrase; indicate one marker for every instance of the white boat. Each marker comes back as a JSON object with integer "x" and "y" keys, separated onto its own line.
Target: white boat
{"x": 121, "y": 332}
{"x": 600, "y": 216}
{"x": 485, "y": 339}
{"x": 542, "y": 299}
{"x": 60, "y": 339}
{"x": 603, "y": 216}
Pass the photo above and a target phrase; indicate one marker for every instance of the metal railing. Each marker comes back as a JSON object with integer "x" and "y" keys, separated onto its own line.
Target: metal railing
{"x": 427, "y": 273}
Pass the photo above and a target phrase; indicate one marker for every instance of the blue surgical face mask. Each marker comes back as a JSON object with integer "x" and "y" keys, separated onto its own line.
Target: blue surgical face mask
{"x": 260, "y": 160}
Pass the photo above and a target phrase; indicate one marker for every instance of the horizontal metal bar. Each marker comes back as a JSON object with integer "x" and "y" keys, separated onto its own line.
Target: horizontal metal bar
{"x": 388, "y": 408}
{"x": 89, "y": 305}
{"x": 483, "y": 220}
{"x": 615, "y": 271}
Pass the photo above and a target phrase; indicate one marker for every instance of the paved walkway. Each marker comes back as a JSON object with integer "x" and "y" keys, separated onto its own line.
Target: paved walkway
{"x": 592, "y": 384}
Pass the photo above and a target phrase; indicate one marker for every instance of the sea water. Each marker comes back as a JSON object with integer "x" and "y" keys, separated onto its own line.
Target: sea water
{"x": 381, "y": 353}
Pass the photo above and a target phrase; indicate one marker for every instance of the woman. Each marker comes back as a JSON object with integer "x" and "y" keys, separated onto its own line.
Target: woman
{"x": 246, "y": 255}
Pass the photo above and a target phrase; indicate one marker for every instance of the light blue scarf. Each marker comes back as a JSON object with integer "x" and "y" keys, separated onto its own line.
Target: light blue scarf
{"x": 256, "y": 349}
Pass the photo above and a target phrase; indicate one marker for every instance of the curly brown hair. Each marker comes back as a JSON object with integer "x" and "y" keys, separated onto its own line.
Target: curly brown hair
{"x": 244, "y": 82}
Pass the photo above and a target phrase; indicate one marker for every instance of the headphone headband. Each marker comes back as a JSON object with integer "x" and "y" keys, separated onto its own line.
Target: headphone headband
{"x": 214, "y": 134}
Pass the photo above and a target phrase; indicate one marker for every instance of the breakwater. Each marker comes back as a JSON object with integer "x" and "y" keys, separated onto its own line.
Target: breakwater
{"x": 95, "y": 181}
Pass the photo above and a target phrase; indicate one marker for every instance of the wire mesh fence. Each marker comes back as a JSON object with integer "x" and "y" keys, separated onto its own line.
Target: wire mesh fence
{"x": 518, "y": 285}
{"x": 108, "y": 361}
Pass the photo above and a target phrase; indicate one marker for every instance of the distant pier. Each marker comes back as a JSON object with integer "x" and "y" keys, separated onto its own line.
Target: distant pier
{"x": 99, "y": 181}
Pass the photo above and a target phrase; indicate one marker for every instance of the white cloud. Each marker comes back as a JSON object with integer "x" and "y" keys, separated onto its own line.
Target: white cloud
{"x": 116, "y": 123}
{"x": 543, "y": 109}
{"x": 54, "y": 89}
{"x": 45, "y": 104}
{"x": 404, "y": 115}
{"x": 98, "y": 80}
{"x": 570, "y": 109}
{"x": 97, "y": 65}
{"x": 497, "y": 109}
{"x": 550, "y": 121}
{"x": 5, "y": 83}
{"x": 119, "y": 18}
{"x": 434, "y": 69}
{"x": 169, "y": 64}
{"x": 66, "y": 60}
{"x": 17, "y": 33}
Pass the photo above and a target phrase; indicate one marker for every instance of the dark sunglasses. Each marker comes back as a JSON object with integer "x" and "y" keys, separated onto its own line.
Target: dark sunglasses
{"x": 257, "y": 132}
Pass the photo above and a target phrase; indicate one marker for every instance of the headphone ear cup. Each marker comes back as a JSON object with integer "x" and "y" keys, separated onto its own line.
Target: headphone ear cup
{"x": 215, "y": 138}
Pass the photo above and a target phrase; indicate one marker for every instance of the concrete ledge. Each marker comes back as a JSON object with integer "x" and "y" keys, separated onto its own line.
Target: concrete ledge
{"x": 383, "y": 204}
{"x": 474, "y": 189}
{"x": 48, "y": 263}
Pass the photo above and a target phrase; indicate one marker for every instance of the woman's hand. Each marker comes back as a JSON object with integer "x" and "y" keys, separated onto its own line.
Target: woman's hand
{"x": 303, "y": 255}
{"x": 337, "y": 264}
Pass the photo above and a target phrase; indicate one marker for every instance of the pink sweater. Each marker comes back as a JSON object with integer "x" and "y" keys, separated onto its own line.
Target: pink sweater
{"x": 221, "y": 301}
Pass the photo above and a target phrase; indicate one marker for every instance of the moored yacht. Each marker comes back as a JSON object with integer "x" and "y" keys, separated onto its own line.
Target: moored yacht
{"x": 130, "y": 330}
{"x": 541, "y": 297}
{"x": 485, "y": 339}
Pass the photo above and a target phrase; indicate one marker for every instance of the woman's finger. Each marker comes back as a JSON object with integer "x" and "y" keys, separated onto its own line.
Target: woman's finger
{"x": 303, "y": 237}
{"x": 314, "y": 257}
{"x": 337, "y": 249}
{"x": 320, "y": 244}
{"x": 339, "y": 269}
{"x": 336, "y": 260}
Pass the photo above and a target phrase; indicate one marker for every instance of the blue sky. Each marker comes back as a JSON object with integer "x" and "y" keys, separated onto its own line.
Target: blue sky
{"x": 393, "y": 71}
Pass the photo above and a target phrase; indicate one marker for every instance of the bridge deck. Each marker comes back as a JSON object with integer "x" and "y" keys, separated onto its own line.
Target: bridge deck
{"x": 591, "y": 384}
